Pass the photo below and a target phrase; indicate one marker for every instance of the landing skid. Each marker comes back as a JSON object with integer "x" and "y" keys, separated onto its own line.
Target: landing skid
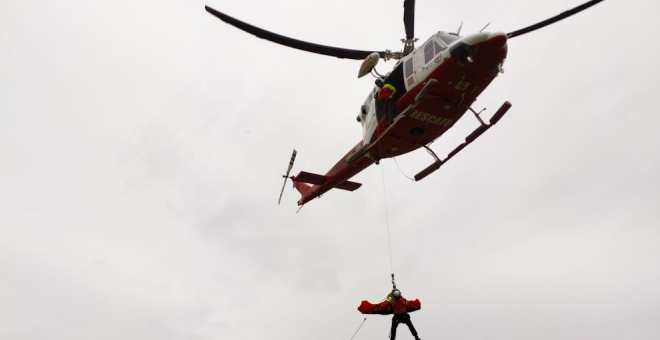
{"x": 468, "y": 140}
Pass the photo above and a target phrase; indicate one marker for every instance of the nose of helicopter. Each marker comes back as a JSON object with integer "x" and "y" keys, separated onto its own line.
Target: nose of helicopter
{"x": 479, "y": 45}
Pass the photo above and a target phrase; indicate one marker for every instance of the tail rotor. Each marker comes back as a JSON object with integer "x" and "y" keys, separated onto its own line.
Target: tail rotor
{"x": 293, "y": 158}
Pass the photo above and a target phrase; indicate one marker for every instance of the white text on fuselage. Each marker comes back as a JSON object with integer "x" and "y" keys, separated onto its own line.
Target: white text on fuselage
{"x": 431, "y": 119}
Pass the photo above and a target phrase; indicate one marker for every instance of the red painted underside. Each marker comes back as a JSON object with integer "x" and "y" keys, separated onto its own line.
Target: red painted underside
{"x": 438, "y": 111}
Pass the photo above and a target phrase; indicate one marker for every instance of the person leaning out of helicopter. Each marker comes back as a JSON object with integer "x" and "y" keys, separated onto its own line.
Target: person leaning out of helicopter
{"x": 385, "y": 99}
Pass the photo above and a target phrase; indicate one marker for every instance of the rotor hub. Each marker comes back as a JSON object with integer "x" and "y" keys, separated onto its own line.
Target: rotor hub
{"x": 408, "y": 45}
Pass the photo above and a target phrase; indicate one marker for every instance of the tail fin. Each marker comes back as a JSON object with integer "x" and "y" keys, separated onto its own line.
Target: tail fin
{"x": 302, "y": 187}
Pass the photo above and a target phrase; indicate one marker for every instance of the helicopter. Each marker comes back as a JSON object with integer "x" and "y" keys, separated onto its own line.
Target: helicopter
{"x": 435, "y": 83}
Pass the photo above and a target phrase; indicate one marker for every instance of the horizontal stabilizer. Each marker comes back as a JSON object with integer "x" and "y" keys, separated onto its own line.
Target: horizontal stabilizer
{"x": 310, "y": 178}
{"x": 348, "y": 185}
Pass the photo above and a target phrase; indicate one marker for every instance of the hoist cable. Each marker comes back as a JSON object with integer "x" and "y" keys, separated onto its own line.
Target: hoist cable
{"x": 387, "y": 217}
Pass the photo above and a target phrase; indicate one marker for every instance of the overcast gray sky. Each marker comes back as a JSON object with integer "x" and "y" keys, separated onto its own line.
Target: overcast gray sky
{"x": 142, "y": 145}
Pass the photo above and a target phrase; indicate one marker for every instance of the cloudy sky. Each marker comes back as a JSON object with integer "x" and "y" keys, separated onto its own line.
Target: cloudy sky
{"x": 142, "y": 145}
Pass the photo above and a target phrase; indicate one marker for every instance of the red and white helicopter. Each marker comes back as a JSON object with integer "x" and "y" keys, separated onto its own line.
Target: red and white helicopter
{"x": 436, "y": 85}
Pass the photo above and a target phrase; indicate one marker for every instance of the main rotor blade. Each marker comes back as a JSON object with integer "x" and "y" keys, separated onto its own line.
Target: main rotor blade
{"x": 342, "y": 53}
{"x": 554, "y": 19}
{"x": 409, "y": 18}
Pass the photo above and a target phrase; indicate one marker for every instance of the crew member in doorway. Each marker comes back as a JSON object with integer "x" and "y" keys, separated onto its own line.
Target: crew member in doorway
{"x": 385, "y": 100}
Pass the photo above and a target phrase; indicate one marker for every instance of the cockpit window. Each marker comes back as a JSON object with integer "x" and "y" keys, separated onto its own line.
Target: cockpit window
{"x": 438, "y": 49}
{"x": 448, "y": 38}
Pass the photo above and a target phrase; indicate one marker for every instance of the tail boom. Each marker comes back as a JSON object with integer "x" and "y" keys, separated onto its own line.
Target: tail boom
{"x": 337, "y": 178}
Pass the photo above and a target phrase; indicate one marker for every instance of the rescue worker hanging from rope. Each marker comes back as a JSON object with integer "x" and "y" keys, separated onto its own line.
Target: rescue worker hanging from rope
{"x": 385, "y": 100}
{"x": 397, "y": 305}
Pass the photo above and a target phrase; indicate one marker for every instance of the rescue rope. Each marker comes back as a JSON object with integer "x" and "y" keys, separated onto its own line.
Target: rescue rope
{"x": 387, "y": 217}
{"x": 365, "y": 319}
{"x": 387, "y": 221}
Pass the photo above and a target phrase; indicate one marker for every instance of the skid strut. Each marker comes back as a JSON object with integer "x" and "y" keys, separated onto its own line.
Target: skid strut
{"x": 469, "y": 139}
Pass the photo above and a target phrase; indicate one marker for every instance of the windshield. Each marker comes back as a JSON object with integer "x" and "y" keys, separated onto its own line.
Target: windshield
{"x": 448, "y": 38}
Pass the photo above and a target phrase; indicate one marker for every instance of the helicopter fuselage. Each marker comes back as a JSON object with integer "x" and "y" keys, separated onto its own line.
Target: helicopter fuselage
{"x": 460, "y": 68}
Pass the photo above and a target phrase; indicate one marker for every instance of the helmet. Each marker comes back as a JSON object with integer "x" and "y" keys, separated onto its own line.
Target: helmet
{"x": 396, "y": 293}
{"x": 379, "y": 81}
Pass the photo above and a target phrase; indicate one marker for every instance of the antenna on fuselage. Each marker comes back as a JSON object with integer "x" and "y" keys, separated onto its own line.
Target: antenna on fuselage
{"x": 484, "y": 27}
{"x": 459, "y": 29}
